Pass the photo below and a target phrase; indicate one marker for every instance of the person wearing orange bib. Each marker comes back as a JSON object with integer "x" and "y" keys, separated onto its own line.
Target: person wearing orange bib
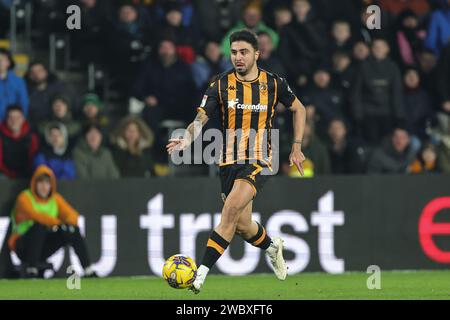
{"x": 43, "y": 222}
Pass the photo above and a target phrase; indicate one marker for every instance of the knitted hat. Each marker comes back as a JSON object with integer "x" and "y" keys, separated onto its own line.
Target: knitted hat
{"x": 92, "y": 98}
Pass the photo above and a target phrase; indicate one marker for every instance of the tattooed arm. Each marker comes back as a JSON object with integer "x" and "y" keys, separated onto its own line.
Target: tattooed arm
{"x": 191, "y": 133}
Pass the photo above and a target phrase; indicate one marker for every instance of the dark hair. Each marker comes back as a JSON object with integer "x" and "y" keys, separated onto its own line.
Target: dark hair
{"x": 36, "y": 62}
{"x": 282, "y": 7}
{"x": 166, "y": 38}
{"x": 31, "y": 65}
{"x": 7, "y": 53}
{"x": 323, "y": 67}
{"x": 408, "y": 68}
{"x": 13, "y": 107}
{"x": 380, "y": 38}
{"x": 172, "y": 6}
{"x": 400, "y": 126}
{"x": 263, "y": 33}
{"x": 340, "y": 53}
{"x": 339, "y": 119}
{"x": 245, "y": 35}
{"x": 92, "y": 125}
{"x": 54, "y": 126}
{"x": 61, "y": 97}
{"x": 340, "y": 21}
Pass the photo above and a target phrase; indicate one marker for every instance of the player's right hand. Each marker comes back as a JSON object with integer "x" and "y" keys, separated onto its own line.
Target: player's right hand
{"x": 175, "y": 144}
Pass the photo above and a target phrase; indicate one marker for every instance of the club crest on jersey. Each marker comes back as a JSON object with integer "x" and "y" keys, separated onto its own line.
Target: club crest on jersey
{"x": 263, "y": 87}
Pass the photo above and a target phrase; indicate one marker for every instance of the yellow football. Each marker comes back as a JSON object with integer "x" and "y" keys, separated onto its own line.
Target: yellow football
{"x": 179, "y": 271}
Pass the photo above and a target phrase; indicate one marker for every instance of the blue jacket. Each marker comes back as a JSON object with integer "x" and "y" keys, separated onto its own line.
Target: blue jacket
{"x": 12, "y": 91}
{"x": 438, "y": 31}
{"x": 202, "y": 71}
{"x": 62, "y": 166}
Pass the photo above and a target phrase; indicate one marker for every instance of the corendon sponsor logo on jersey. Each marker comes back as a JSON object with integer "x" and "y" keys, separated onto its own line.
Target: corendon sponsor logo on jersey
{"x": 234, "y": 104}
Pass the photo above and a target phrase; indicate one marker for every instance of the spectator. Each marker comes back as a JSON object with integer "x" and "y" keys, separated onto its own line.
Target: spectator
{"x": 438, "y": 34}
{"x": 317, "y": 160}
{"x": 48, "y": 17}
{"x": 268, "y": 58}
{"x": 326, "y": 100}
{"x": 395, "y": 154}
{"x": 368, "y": 34}
{"x": 18, "y": 145}
{"x": 252, "y": 20}
{"x": 93, "y": 111}
{"x": 61, "y": 113}
{"x": 186, "y": 8}
{"x": 302, "y": 43}
{"x": 57, "y": 153}
{"x": 443, "y": 86}
{"x": 361, "y": 51}
{"x": 271, "y": 8}
{"x": 92, "y": 159}
{"x": 341, "y": 37}
{"x": 443, "y": 154}
{"x": 129, "y": 43}
{"x": 216, "y": 17}
{"x": 183, "y": 36}
{"x": 207, "y": 66}
{"x": 42, "y": 87}
{"x": 132, "y": 142}
{"x": 12, "y": 87}
{"x": 417, "y": 104}
{"x": 347, "y": 10}
{"x": 377, "y": 94}
{"x": 425, "y": 161}
{"x": 282, "y": 17}
{"x": 166, "y": 86}
{"x": 428, "y": 71}
{"x": 343, "y": 75}
{"x": 88, "y": 44}
{"x": 408, "y": 39}
{"x": 346, "y": 155}
{"x": 42, "y": 223}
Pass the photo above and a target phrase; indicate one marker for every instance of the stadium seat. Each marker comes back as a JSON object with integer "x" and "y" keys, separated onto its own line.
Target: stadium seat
{"x": 22, "y": 61}
{"x": 5, "y": 44}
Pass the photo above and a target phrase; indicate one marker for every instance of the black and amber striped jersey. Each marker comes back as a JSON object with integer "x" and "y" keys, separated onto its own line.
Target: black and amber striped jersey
{"x": 246, "y": 109}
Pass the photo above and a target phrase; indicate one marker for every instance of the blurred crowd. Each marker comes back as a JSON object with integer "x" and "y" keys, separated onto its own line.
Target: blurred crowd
{"x": 377, "y": 100}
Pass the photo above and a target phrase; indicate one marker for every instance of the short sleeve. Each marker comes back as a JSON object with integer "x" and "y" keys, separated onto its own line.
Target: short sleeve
{"x": 285, "y": 94}
{"x": 210, "y": 99}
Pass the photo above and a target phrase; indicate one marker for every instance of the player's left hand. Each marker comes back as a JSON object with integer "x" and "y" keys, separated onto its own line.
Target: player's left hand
{"x": 297, "y": 157}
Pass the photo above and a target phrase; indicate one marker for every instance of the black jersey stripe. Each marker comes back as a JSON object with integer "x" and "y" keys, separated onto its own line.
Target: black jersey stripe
{"x": 231, "y": 110}
{"x": 254, "y": 122}
{"x": 239, "y": 119}
{"x": 261, "y": 125}
{"x": 223, "y": 96}
{"x": 270, "y": 119}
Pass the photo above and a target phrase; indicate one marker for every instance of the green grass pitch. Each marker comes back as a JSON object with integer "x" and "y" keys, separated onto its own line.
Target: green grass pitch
{"x": 394, "y": 285}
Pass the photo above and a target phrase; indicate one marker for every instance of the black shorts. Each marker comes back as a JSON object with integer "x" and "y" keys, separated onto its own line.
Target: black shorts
{"x": 251, "y": 173}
